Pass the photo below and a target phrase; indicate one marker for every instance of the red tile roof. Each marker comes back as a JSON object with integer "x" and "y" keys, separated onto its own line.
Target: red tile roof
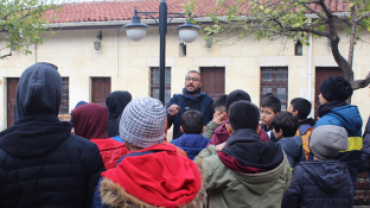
{"x": 101, "y": 11}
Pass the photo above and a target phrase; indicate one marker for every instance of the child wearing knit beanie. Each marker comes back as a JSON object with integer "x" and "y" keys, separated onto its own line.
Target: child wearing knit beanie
{"x": 334, "y": 110}
{"x": 152, "y": 174}
{"x": 324, "y": 182}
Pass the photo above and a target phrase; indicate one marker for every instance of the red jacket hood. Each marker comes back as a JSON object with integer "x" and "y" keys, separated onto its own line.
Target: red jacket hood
{"x": 162, "y": 178}
{"x": 221, "y": 135}
{"x": 90, "y": 121}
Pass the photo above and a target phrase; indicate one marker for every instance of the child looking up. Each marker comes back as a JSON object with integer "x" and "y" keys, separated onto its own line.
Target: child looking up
{"x": 285, "y": 127}
{"x": 219, "y": 117}
{"x": 270, "y": 107}
{"x": 192, "y": 127}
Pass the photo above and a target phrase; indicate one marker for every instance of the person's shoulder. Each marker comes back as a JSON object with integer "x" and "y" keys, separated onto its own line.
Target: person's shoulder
{"x": 76, "y": 141}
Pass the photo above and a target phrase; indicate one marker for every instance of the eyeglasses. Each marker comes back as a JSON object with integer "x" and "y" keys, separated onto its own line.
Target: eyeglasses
{"x": 192, "y": 78}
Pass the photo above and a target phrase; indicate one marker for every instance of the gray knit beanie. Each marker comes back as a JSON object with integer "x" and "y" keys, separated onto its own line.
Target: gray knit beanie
{"x": 327, "y": 141}
{"x": 143, "y": 122}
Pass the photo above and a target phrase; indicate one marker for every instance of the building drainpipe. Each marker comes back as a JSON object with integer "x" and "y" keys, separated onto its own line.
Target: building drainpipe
{"x": 309, "y": 71}
{"x": 117, "y": 33}
{"x": 34, "y": 53}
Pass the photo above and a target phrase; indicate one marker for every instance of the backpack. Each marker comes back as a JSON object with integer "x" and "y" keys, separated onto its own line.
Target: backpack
{"x": 305, "y": 141}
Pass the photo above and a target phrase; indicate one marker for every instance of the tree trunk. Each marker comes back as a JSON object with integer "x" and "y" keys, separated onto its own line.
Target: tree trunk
{"x": 341, "y": 61}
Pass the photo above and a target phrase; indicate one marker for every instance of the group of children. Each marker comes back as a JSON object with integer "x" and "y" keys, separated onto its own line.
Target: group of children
{"x": 238, "y": 161}
{"x": 119, "y": 156}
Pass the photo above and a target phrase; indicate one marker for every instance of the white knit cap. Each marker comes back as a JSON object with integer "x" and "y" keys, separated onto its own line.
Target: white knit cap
{"x": 143, "y": 122}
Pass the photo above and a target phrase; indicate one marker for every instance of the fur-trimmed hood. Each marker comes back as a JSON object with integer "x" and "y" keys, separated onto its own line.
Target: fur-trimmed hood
{"x": 113, "y": 195}
{"x": 153, "y": 177}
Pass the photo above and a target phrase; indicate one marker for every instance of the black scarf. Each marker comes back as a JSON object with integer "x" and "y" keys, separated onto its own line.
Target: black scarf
{"x": 324, "y": 109}
{"x": 245, "y": 146}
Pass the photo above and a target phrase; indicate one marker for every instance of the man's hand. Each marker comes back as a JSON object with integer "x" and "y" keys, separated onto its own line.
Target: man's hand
{"x": 173, "y": 110}
{"x": 219, "y": 147}
{"x": 219, "y": 118}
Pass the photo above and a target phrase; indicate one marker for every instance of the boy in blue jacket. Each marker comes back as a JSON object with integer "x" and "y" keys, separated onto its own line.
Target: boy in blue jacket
{"x": 192, "y": 141}
{"x": 334, "y": 110}
{"x": 285, "y": 127}
{"x": 323, "y": 182}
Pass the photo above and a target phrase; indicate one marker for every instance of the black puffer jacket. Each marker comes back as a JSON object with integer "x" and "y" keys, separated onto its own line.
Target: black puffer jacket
{"x": 41, "y": 163}
{"x": 321, "y": 184}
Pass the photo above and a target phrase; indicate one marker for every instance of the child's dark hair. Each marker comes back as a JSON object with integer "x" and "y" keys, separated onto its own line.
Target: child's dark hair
{"x": 266, "y": 95}
{"x": 303, "y": 107}
{"x": 243, "y": 114}
{"x": 220, "y": 103}
{"x": 192, "y": 121}
{"x": 287, "y": 122}
{"x": 272, "y": 102}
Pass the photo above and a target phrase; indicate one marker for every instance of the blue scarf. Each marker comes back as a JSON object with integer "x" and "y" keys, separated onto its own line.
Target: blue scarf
{"x": 196, "y": 98}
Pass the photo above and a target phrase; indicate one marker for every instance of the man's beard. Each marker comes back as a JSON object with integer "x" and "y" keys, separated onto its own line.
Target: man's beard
{"x": 194, "y": 92}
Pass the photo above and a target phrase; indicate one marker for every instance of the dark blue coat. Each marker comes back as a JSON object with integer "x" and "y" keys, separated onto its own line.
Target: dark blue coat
{"x": 324, "y": 184}
{"x": 293, "y": 149}
{"x": 192, "y": 144}
{"x": 41, "y": 163}
{"x": 348, "y": 117}
{"x": 179, "y": 99}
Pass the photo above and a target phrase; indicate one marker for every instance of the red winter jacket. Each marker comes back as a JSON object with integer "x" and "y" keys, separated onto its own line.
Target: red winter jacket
{"x": 111, "y": 151}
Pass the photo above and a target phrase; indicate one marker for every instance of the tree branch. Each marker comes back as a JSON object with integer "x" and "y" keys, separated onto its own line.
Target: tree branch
{"x": 320, "y": 33}
{"x": 367, "y": 14}
{"x": 357, "y": 84}
{"x": 315, "y": 11}
{"x": 326, "y": 9}
{"x": 5, "y": 55}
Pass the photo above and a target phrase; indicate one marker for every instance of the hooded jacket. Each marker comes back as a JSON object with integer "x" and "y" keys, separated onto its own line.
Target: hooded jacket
{"x": 192, "y": 144}
{"x": 323, "y": 184}
{"x": 349, "y": 118}
{"x": 250, "y": 174}
{"x": 116, "y": 103}
{"x": 90, "y": 122}
{"x": 152, "y": 177}
{"x": 221, "y": 135}
{"x": 206, "y": 108}
{"x": 41, "y": 163}
{"x": 293, "y": 149}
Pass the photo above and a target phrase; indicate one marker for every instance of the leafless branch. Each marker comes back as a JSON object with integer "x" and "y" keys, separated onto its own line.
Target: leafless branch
{"x": 315, "y": 11}
{"x": 5, "y": 55}
{"x": 357, "y": 84}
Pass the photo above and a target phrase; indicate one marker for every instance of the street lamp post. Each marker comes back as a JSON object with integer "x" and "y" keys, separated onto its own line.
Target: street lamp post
{"x": 136, "y": 31}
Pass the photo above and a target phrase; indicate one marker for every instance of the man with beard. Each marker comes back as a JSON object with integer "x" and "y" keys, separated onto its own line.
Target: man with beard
{"x": 192, "y": 98}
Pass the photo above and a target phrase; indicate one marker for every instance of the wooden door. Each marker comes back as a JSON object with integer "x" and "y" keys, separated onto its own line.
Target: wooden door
{"x": 321, "y": 74}
{"x": 213, "y": 79}
{"x": 100, "y": 90}
{"x": 11, "y": 90}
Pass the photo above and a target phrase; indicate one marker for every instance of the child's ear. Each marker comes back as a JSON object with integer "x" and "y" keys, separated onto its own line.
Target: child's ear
{"x": 203, "y": 129}
{"x": 182, "y": 129}
{"x": 296, "y": 112}
{"x": 229, "y": 129}
{"x": 281, "y": 132}
{"x": 258, "y": 129}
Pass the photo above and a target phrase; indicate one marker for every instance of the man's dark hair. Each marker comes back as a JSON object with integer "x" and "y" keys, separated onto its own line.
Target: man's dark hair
{"x": 220, "y": 103}
{"x": 272, "y": 102}
{"x": 243, "y": 115}
{"x": 287, "y": 122}
{"x": 303, "y": 107}
{"x": 195, "y": 71}
{"x": 192, "y": 121}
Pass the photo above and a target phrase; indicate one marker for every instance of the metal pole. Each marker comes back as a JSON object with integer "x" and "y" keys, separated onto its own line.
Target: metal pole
{"x": 162, "y": 49}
